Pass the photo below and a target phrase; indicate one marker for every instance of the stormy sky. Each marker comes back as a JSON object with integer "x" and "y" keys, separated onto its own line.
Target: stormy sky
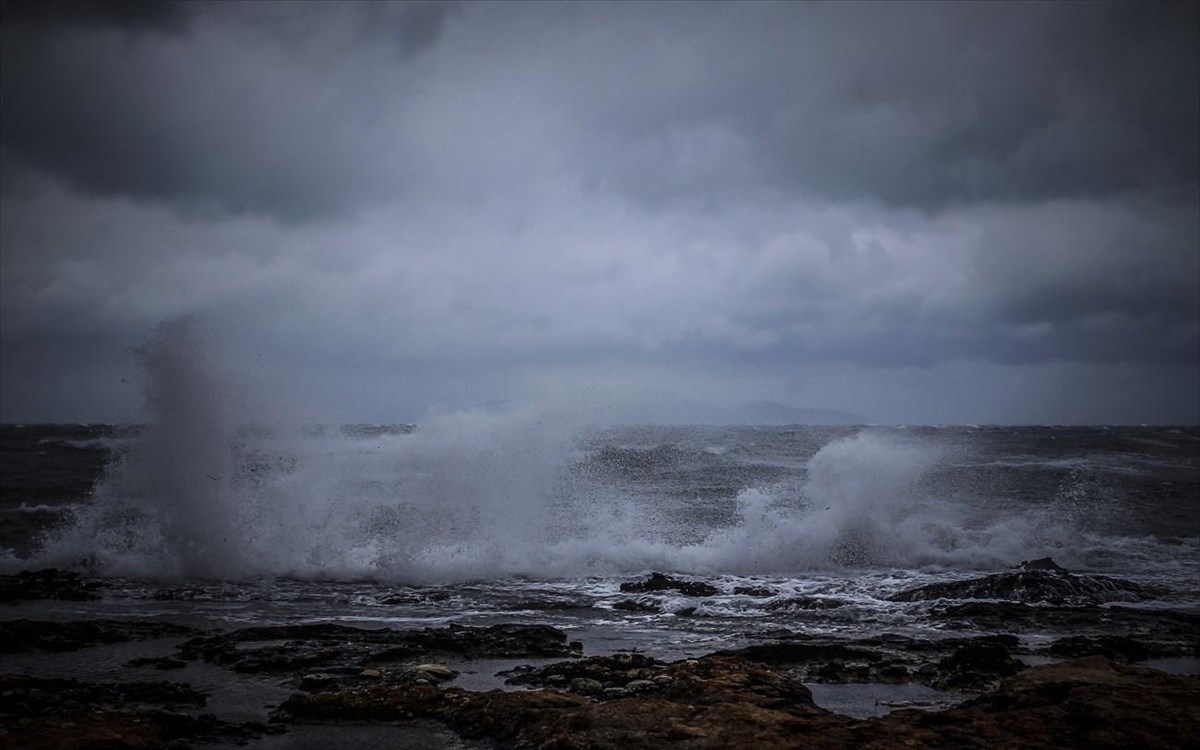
{"x": 916, "y": 213}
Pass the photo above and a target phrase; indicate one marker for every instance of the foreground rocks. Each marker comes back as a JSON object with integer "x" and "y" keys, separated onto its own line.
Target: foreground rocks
{"x": 1162, "y": 632}
{"x": 976, "y": 663}
{"x": 68, "y": 714}
{"x": 726, "y": 702}
{"x": 350, "y": 650}
{"x": 753, "y": 696}
{"x": 1032, "y": 582}
{"x": 54, "y": 636}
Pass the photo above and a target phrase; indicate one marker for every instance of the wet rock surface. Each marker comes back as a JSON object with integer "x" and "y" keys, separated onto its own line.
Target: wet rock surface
{"x": 1033, "y": 582}
{"x": 751, "y": 696}
{"x": 1167, "y": 632}
{"x": 1117, "y": 648}
{"x": 756, "y": 591}
{"x": 795, "y": 603}
{"x": 951, "y": 663}
{"x": 46, "y": 635}
{"x": 661, "y": 582}
{"x": 637, "y": 605}
{"x": 61, "y": 714}
{"x": 156, "y": 662}
{"x": 333, "y": 647}
{"x": 710, "y": 679}
{"x": 49, "y": 583}
{"x": 726, "y": 702}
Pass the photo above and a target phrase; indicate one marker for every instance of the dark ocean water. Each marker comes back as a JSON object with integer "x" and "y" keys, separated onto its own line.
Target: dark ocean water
{"x": 479, "y": 519}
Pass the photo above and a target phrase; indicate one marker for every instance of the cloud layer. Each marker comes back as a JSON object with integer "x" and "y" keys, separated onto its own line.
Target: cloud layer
{"x": 846, "y": 206}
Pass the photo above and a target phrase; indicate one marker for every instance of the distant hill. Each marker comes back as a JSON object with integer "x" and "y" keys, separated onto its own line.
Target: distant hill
{"x": 773, "y": 412}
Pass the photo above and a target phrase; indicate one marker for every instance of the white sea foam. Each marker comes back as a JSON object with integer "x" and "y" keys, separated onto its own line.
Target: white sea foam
{"x": 487, "y": 494}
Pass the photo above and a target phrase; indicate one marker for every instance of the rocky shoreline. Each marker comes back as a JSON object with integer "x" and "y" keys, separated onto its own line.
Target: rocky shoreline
{"x": 1078, "y": 691}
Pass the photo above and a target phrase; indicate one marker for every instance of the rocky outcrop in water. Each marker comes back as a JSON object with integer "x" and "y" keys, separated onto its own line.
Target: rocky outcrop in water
{"x": 1036, "y": 581}
{"x": 49, "y": 583}
{"x": 637, "y": 605}
{"x": 975, "y": 665}
{"x": 661, "y": 582}
{"x": 1165, "y": 632}
{"x": 949, "y": 664}
{"x": 1117, "y": 648}
{"x": 660, "y": 701}
{"x": 44, "y": 635}
{"x": 286, "y": 648}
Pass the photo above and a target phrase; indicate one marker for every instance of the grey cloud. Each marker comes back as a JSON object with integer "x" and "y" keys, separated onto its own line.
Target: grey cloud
{"x": 318, "y": 110}
{"x": 933, "y": 105}
{"x": 403, "y": 205}
{"x": 33, "y": 16}
{"x": 253, "y": 109}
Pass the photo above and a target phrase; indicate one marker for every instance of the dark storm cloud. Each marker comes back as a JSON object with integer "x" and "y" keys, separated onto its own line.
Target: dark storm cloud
{"x": 931, "y": 105}
{"x": 911, "y": 105}
{"x": 173, "y": 118}
{"x": 32, "y": 16}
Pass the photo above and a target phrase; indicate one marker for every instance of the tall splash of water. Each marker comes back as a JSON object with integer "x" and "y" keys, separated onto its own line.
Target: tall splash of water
{"x": 205, "y": 493}
{"x": 167, "y": 506}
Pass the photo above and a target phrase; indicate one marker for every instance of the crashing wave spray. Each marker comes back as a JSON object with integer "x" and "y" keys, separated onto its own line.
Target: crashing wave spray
{"x": 167, "y": 506}
{"x": 854, "y": 508}
{"x": 206, "y": 492}
{"x": 485, "y": 494}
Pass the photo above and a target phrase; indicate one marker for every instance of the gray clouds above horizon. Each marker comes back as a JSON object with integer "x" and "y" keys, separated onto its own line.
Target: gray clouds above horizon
{"x": 413, "y": 204}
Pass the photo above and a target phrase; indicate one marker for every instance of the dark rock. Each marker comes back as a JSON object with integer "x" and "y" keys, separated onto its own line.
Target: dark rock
{"x": 1117, "y": 648}
{"x": 807, "y": 603}
{"x": 318, "y": 681}
{"x": 756, "y": 591}
{"x": 159, "y": 662}
{"x": 415, "y": 597}
{"x": 724, "y": 702}
{"x": 976, "y": 664}
{"x": 660, "y": 582}
{"x": 42, "y": 714}
{"x": 616, "y": 670}
{"x": 1042, "y": 563}
{"x": 32, "y": 697}
{"x": 950, "y": 662}
{"x": 636, "y": 605}
{"x": 46, "y": 635}
{"x": 49, "y": 583}
{"x": 896, "y": 672}
{"x": 285, "y": 658}
{"x": 491, "y": 642}
{"x": 202, "y": 593}
{"x": 327, "y": 645}
{"x": 709, "y": 681}
{"x": 802, "y": 652}
{"x": 1164, "y": 626}
{"x": 1033, "y": 582}
{"x": 1087, "y": 703}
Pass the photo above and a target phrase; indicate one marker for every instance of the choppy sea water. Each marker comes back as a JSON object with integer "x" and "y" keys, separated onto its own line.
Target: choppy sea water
{"x": 478, "y": 519}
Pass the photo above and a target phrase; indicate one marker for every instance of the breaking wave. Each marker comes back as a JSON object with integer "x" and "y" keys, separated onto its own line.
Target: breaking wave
{"x": 487, "y": 494}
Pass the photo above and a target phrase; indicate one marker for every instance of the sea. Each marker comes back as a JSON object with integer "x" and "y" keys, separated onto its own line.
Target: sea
{"x": 484, "y": 518}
